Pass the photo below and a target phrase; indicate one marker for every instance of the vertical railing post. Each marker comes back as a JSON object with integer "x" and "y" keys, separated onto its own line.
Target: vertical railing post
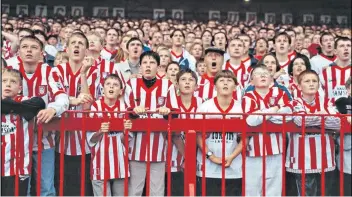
{"x": 341, "y": 151}
{"x": 283, "y": 155}
{"x": 83, "y": 158}
{"x": 190, "y": 164}
{"x": 39, "y": 163}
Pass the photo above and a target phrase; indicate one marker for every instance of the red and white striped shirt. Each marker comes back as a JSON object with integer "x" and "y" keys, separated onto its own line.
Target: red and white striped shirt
{"x": 138, "y": 94}
{"x": 313, "y": 147}
{"x": 72, "y": 83}
{"x": 206, "y": 89}
{"x": 333, "y": 80}
{"x": 176, "y": 157}
{"x": 16, "y": 156}
{"x": 247, "y": 63}
{"x": 107, "y": 55}
{"x": 46, "y": 83}
{"x": 105, "y": 68}
{"x": 241, "y": 72}
{"x": 253, "y": 102}
{"x": 114, "y": 161}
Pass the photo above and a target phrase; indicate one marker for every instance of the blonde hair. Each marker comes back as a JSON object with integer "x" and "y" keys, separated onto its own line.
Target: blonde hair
{"x": 14, "y": 73}
{"x": 93, "y": 33}
{"x": 62, "y": 55}
{"x": 164, "y": 49}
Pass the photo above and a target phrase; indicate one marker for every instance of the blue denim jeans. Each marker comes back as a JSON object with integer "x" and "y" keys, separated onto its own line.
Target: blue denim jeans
{"x": 47, "y": 173}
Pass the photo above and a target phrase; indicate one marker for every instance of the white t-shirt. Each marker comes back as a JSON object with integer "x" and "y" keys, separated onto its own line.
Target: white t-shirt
{"x": 214, "y": 142}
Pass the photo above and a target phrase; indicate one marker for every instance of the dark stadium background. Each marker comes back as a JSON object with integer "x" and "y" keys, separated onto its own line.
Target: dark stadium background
{"x": 198, "y": 9}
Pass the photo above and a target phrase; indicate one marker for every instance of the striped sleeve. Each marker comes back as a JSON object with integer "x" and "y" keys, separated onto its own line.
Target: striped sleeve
{"x": 60, "y": 101}
{"x": 331, "y": 122}
{"x": 94, "y": 82}
{"x": 300, "y": 110}
{"x": 90, "y": 134}
{"x": 250, "y": 106}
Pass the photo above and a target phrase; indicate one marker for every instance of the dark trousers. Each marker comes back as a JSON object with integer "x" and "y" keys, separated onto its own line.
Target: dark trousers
{"x": 233, "y": 187}
{"x": 347, "y": 187}
{"x": 8, "y": 186}
{"x": 72, "y": 175}
{"x": 177, "y": 184}
{"x": 313, "y": 184}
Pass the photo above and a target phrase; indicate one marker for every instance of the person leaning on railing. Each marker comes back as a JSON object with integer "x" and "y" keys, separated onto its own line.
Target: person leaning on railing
{"x": 344, "y": 106}
{"x": 142, "y": 95}
{"x": 225, "y": 83}
{"x": 310, "y": 159}
{"x": 265, "y": 98}
{"x": 16, "y": 133}
{"x": 110, "y": 167}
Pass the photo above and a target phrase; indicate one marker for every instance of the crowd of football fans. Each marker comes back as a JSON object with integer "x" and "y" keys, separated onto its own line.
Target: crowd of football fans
{"x": 153, "y": 67}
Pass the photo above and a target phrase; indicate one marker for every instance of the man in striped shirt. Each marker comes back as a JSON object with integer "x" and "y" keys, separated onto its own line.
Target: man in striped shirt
{"x": 142, "y": 95}
{"x": 42, "y": 81}
{"x": 334, "y": 77}
{"x": 81, "y": 81}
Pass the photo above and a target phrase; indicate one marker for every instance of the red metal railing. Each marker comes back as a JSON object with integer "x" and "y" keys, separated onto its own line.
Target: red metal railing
{"x": 189, "y": 126}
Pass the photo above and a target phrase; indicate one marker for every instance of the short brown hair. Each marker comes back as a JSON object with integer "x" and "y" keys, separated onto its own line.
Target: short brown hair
{"x": 306, "y": 72}
{"x": 81, "y": 35}
{"x": 33, "y": 38}
{"x": 114, "y": 76}
{"x": 184, "y": 71}
{"x": 13, "y": 72}
{"x": 225, "y": 74}
{"x": 93, "y": 33}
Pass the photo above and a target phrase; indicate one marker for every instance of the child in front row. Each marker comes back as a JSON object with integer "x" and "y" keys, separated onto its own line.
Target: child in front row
{"x": 16, "y": 138}
{"x": 114, "y": 162}
{"x": 315, "y": 163}
{"x": 186, "y": 102}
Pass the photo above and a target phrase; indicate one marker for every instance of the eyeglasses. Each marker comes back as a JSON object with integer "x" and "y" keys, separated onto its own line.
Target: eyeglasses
{"x": 265, "y": 74}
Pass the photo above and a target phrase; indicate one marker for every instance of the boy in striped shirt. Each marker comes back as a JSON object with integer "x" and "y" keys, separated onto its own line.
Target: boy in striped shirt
{"x": 310, "y": 159}
{"x": 264, "y": 99}
{"x": 16, "y": 137}
{"x": 110, "y": 167}
{"x": 186, "y": 81}
{"x": 148, "y": 94}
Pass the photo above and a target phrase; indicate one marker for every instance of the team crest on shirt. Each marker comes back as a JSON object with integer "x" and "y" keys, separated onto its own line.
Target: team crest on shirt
{"x": 272, "y": 100}
{"x": 42, "y": 90}
{"x": 161, "y": 101}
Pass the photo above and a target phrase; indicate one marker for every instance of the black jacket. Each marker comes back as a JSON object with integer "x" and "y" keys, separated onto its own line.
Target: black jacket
{"x": 28, "y": 109}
